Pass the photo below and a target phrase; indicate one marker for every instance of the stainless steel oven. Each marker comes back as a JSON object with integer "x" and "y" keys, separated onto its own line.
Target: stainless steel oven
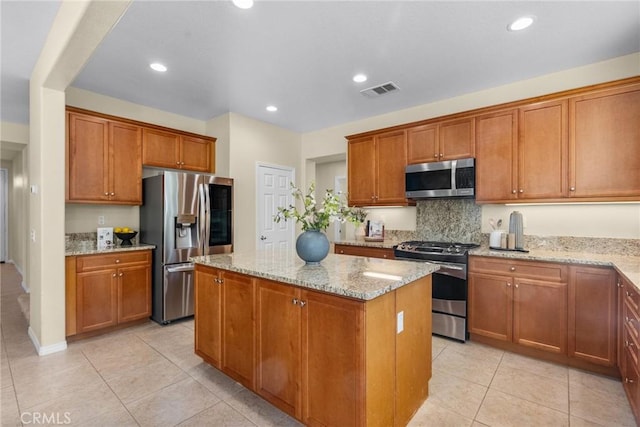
{"x": 449, "y": 283}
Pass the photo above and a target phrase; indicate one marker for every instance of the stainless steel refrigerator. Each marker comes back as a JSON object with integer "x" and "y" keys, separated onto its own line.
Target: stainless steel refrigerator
{"x": 183, "y": 215}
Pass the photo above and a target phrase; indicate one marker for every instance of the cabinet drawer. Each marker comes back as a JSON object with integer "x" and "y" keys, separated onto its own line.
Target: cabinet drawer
{"x": 524, "y": 269}
{"x": 631, "y": 320}
{"x": 632, "y": 297}
{"x": 100, "y": 261}
{"x": 630, "y": 344}
{"x": 364, "y": 251}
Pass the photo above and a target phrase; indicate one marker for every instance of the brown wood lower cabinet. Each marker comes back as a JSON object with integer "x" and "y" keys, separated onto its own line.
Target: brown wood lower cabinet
{"x": 629, "y": 343}
{"x": 225, "y": 329}
{"x": 566, "y": 313}
{"x": 322, "y": 358}
{"x": 367, "y": 251}
{"x": 520, "y": 302}
{"x": 105, "y": 291}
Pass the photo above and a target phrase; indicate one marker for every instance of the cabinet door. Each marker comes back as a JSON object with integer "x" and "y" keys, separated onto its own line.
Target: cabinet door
{"x": 540, "y": 315}
{"x": 196, "y": 154}
{"x": 543, "y": 151}
{"x": 208, "y": 326}
{"x": 134, "y": 293}
{"x": 490, "y": 306}
{"x": 592, "y": 314}
{"x": 87, "y": 158}
{"x": 96, "y": 295}
{"x": 238, "y": 327}
{"x": 332, "y": 365}
{"x": 457, "y": 139}
{"x": 422, "y": 144}
{"x": 125, "y": 157}
{"x": 278, "y": 352}
{"x": 496, "y": 156}
{"x": 361, "y": 171}
{"x": 391, "y": 150}
{"x": 604, "y": 130}
{"x": 161, "y": 149}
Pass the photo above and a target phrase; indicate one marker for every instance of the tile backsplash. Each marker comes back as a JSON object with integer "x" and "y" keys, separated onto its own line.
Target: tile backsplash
{"x": 457, "y": 220}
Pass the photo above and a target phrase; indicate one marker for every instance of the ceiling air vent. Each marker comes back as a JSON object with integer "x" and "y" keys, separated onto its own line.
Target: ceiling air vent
{"x": 382, "y": 89}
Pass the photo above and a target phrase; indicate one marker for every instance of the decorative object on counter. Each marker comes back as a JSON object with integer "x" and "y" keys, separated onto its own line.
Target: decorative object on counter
{"x": 312, "y": 245}
{"x": 105, "y": 237}
{"x": 126, "y": 237}
{"x": 362, "y": 229}
{"x": 376, "y": 232}
{"x": 516, "y": 227}
{"x": 495, "y": 238}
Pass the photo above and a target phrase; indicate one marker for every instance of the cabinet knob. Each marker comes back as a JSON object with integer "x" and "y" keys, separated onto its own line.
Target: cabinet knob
{"x": 441, "y": 155}
{"x": 435, "y": 155}
{"x": 512, "y": 269}
{"x": 521, "y": 191}
{"x": 117, "y": 261}
{"x": 182, "y": 163}
{"x": 121, "y": 274}
{"x": 508, "y": 285}
{"x": 113, "y": 194}
{"x": 341, "y": 251}
{"x": 302, "y": 303}
{"x": 628, "y": 381}
{"x": 628, "y": 320}
{"x": 513, "y": 191}
{"x": 384, "y": 255}
{"x": 294, "y": 301}
{"x": 177, "y": 163}
{"x": 106, "y": 194}
{"x": 113, "y": 275}
{"x": 516, "y": 286}
{"x": 629, "y": 294}
{"x": 572, "y": 189}
{"x": 628, "y": 344}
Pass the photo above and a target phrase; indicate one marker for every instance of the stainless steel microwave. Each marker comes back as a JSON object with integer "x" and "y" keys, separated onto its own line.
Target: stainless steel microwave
{"x": 448, "y": 179}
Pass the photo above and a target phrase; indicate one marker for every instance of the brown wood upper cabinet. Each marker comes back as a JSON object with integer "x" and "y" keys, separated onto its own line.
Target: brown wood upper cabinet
{"x": 448, "y": 140}
{"x": 523, "y": 153}
{"x": 604, "y": 142}
{"x": 376, "y": 166}
{"x": 173, "y": 150}
{"x": 103, "y": 160}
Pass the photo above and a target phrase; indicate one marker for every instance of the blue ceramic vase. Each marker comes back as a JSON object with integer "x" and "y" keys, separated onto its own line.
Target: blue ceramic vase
{"x": 312, "y": 246}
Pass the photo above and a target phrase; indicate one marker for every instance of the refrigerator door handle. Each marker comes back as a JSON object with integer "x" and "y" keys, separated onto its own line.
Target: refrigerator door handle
{"x": 179, "y": 269}
{"x": 207, "y": 219}
{"x": 202, "y": 214}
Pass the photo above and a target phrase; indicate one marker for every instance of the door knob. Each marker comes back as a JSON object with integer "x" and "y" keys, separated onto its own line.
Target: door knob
{"x": 263, "y": 238}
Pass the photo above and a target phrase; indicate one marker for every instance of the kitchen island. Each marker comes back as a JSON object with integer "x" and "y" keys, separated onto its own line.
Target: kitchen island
{"x": 346, "y": 342}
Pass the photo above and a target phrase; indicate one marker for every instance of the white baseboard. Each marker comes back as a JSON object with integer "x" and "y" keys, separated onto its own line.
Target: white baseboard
{"x": 49, "y": 349}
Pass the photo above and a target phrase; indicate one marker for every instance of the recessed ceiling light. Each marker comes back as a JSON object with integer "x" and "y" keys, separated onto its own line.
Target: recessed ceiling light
{"x": 158, "y": 67}
{"x": 359, "y": 78}
{"x": 521, "y": 23}
{"x": 243, "y": 4}
{"x": 272, "y": 108}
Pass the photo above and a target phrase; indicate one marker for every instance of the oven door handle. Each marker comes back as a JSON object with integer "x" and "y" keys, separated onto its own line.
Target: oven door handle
{"x": 454, "y": 270}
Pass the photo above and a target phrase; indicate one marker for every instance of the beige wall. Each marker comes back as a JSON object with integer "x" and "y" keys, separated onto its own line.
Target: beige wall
{"x": 576, "y": 220}
{"x": 253, "y": 142}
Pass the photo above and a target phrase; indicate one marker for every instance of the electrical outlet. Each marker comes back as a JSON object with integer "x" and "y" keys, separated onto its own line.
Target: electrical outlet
{"x": 101, "y": 220}
{"x": 33, "y": 235}
{"x": 400, "y": 322}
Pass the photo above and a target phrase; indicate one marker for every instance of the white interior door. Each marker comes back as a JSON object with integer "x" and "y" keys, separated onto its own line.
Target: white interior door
{"x": 340, "y": 228}
{"x": 274, "y": 190}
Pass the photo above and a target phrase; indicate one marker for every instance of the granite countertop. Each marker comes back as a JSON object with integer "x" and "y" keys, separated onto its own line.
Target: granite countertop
{"x": 352, "y": 276}
{"x": 628, "y": 266}
{"x": 88, "y": 247}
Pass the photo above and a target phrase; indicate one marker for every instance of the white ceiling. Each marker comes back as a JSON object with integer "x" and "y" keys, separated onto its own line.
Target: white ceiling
{"x": 301, "y": 55}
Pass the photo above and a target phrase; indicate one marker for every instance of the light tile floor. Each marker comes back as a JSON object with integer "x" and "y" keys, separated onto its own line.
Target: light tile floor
{"x": 148, "y": 376}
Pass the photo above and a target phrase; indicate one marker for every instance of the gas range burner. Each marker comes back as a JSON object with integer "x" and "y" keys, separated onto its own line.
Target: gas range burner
{"x": 429, "y": 247}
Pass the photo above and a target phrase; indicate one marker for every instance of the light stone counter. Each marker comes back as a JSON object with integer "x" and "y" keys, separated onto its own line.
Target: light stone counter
{"x": 88, "y": 247}
{"x": 352, "y": 276}
{"x": 628, "y": 266}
